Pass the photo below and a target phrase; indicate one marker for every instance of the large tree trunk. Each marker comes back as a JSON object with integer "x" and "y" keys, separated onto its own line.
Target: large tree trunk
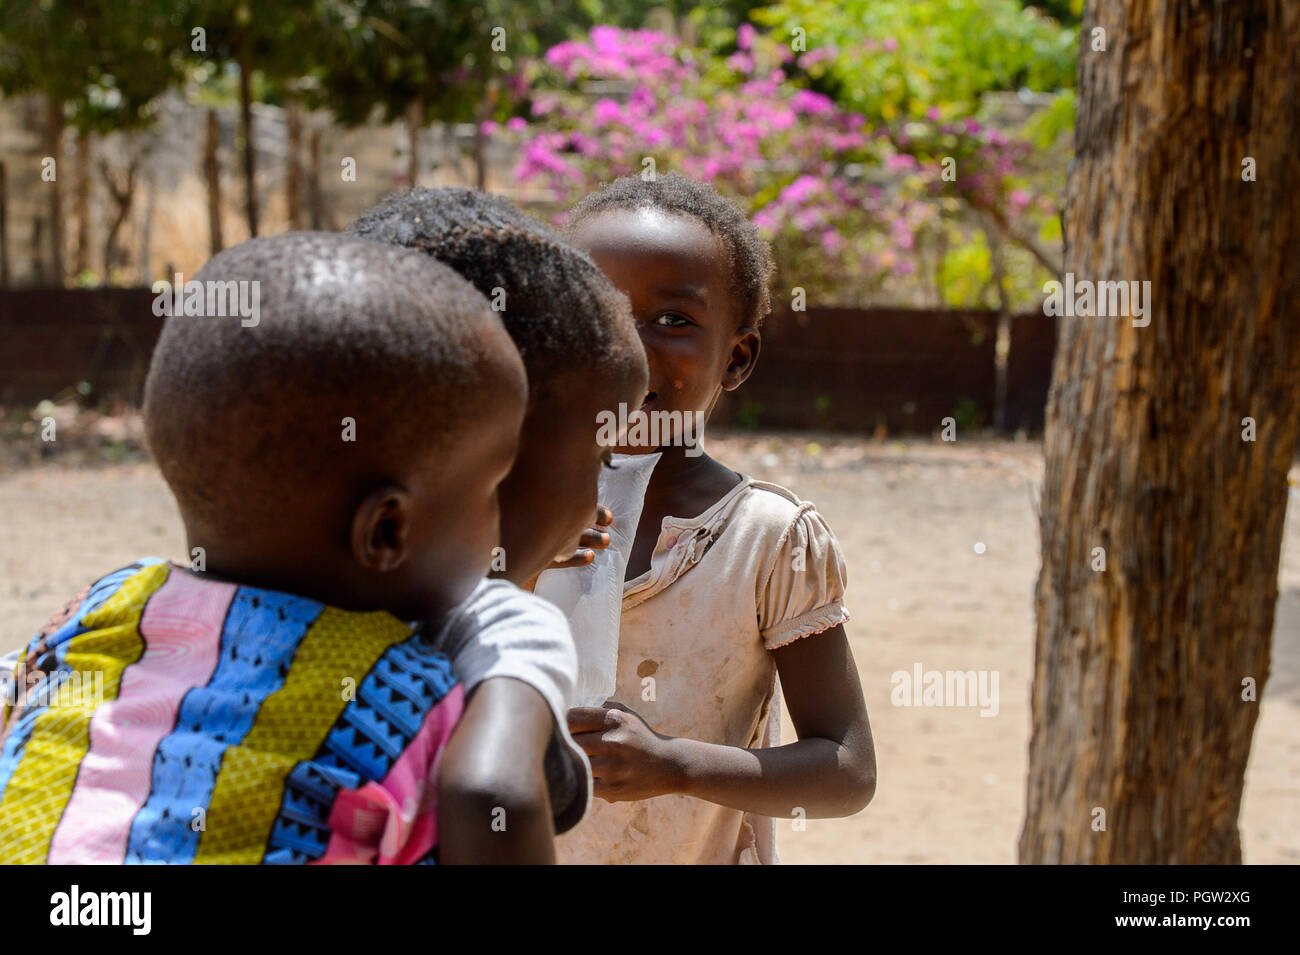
{"x": 212, "y": 174}
{"x": 54, "y": 150}
{"x": 1139, "y": 708}
{"x": 246, "y": 122}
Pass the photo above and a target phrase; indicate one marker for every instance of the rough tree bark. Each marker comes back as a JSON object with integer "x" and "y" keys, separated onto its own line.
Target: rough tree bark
{"x": 1138, "y": 705}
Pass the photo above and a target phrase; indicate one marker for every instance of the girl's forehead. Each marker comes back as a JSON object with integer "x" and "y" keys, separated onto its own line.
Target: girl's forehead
{"x": 648, "y": 230}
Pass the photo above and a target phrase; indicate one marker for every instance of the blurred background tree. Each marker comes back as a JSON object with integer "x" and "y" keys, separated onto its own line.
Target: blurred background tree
{"x": 894, "y": 152}
{"x": 99, "y": 67}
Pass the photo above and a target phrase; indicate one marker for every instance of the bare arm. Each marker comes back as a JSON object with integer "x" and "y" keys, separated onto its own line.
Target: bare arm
{"x": 830, "y": 771}
{"x": 493, "y": 804}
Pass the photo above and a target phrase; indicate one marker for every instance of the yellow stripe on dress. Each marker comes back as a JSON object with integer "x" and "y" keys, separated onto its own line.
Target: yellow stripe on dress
{"x": 291, "y": 724}
{"x": 40, "y": 787}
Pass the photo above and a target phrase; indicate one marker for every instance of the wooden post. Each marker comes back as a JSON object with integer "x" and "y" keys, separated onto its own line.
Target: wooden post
{"x": 212, "y": 174}
{"x": 293, "y": 171}
{"x": 54, "y": 150}
{"x": 4, "y": 228}
{"x": 316, "y": 203}
{"x": 246, "y": 122}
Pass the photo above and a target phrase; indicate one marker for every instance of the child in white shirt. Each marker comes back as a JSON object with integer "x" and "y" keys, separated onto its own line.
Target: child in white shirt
{"x": 734, "y": 587}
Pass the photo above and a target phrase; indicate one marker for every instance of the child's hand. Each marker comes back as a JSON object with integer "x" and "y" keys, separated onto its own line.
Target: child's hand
{"x": 629, "y": 760}
{"x": 593, "y": 538}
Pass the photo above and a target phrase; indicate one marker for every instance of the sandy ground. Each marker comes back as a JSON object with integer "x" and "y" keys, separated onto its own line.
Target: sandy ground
{"x": 909, "y": 516}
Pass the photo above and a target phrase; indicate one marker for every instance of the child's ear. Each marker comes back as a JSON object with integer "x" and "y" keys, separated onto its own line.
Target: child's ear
{"x": 744, "y": 355}
{"x": 381, "y": 529}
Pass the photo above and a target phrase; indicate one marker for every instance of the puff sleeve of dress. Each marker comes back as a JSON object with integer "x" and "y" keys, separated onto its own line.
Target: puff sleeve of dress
{"x": 803, "y": 590}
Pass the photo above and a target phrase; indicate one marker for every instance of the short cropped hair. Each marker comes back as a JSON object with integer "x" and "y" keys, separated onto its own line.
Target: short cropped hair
{"x": 346, "y": 329}
{"x": 748, "y": 254}
{"x": 562, "y": 312}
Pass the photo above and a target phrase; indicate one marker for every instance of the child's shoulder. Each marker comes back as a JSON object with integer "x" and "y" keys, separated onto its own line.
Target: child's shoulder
{"x": 767, "y": 494}
{"x": 501, "y": 624}
{"x": 93, "y": 596}
{"x": 772, "y": 520}
{"x": 493, "y": 604}
{"x": 762, "y": 504}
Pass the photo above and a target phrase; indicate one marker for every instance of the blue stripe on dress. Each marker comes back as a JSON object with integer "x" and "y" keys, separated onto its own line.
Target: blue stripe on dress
{"x": 407, "y": 681}
{"x": 260, "y": 625}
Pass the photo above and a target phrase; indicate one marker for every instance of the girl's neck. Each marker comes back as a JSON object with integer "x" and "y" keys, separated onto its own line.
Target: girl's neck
{"x": 678, "y": 469}
{"x": 686, "y": 486}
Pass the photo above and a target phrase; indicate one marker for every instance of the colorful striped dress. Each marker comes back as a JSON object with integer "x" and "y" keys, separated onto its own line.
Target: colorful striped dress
{"x": 165, "y": 718}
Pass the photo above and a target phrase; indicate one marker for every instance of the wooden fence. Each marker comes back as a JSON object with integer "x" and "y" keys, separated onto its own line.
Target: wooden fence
{"x": 853, "y": 370}
{"x": 900, "y": 370}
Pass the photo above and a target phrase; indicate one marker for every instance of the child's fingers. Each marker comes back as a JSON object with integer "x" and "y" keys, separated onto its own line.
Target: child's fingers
{"x": 597, "y": 750}
{"x": 580, "y": 558}
{"x": 586, "y": 719}
{"x": 594, "y": 537}
{"x": 604, "y": 516}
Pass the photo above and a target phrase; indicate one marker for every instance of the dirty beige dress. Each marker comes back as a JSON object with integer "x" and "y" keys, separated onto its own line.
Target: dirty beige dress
{"x": 752, "y": 573}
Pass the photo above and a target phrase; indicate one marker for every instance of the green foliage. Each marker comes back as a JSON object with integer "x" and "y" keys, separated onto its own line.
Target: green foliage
{"x": 1068, "y": 12}
{"x": 1046, "y": 128}
{"x": 105, "y": 60}
{"x": 894, "y": 59}
{"x": 966, "y": 270}
{"x": 391, "y": 54}
{"x": 923, "y": 70}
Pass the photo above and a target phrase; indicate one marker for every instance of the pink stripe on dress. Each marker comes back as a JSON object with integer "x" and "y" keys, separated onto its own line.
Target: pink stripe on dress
{"x": 394, "y": 822}
{"x": 181, "y": 627}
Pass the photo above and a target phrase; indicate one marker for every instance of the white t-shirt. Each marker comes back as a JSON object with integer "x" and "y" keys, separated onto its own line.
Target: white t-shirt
{"x": 503, "y": 631}
{"x": 756, "y": 571}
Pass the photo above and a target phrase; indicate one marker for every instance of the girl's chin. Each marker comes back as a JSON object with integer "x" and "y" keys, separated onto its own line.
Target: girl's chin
{"x": 645, "y": 450}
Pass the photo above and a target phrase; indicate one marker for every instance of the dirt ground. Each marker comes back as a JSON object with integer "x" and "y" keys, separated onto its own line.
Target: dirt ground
{"x": 909, "y": 516}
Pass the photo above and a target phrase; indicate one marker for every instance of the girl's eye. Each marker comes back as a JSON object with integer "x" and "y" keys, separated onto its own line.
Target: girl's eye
{"x": 672, "y": 320}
